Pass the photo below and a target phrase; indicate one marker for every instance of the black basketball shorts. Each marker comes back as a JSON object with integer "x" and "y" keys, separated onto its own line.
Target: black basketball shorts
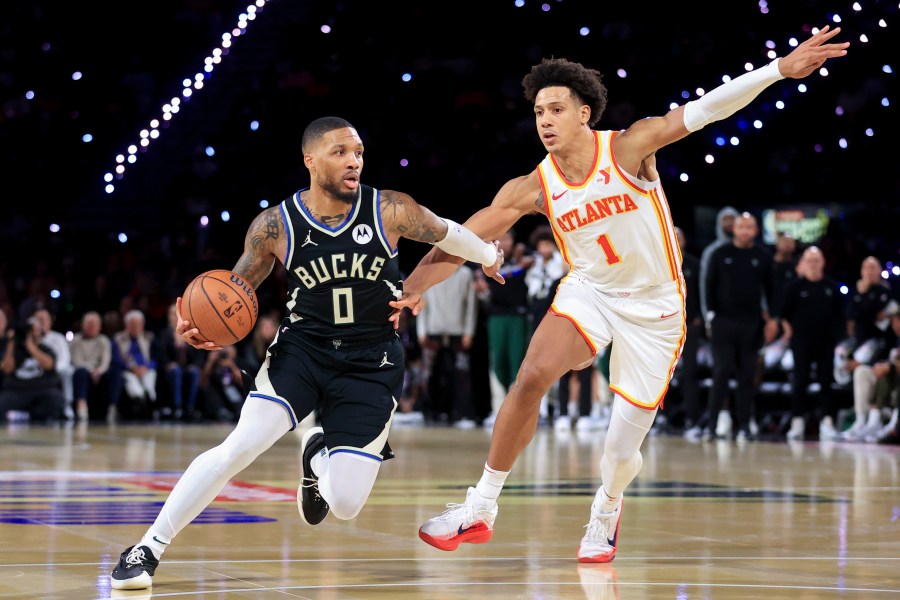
{"x": 353, "y": 385}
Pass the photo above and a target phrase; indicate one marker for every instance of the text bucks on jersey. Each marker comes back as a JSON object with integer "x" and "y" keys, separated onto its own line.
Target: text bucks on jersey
{"x": 341, "y": 277}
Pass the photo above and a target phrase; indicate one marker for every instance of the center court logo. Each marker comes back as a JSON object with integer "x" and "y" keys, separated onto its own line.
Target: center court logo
{"x": 362, "y": 234}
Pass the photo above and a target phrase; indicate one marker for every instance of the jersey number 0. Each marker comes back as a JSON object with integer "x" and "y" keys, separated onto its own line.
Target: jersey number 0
{"x": 343, "y": 305}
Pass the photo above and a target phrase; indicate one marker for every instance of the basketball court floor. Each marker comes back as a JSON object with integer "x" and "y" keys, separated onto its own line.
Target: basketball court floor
{"x": 703, "y": 520}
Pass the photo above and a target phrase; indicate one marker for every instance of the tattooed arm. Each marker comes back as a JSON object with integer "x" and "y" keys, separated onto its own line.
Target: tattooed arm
{"x": 404, "y": 217}
{"x": 265, "y": 241}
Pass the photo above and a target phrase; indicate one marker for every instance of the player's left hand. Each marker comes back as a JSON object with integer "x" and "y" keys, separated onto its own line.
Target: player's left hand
{"x": 411, "y": 300}
{"x": 812, "y": 54}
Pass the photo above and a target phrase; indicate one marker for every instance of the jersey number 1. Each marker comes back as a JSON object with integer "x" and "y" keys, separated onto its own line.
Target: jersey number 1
{"x": 611, "y": 256}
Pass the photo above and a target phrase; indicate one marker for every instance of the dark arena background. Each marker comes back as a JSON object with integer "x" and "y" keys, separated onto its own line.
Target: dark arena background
{"x": 102, "y": 178}
{"x": 139, "y": 139}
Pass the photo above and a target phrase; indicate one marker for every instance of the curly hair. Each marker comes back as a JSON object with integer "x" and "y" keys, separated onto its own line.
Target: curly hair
{"x": 586, "y": 84}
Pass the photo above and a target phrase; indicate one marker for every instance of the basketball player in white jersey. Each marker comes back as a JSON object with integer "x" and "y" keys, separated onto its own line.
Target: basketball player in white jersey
{"x": 603, "y": 198}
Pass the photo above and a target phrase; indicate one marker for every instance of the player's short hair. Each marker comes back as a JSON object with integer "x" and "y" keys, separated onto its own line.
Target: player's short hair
{"x": 318, "y": 128}
{"x": 586, "y": 84}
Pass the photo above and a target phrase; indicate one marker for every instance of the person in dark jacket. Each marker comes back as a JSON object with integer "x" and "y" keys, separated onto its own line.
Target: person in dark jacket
{"x": 738, "y": 287}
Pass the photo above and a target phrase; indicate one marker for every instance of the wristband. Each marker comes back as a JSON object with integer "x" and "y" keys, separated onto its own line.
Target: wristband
{"x": 461, "y": 242}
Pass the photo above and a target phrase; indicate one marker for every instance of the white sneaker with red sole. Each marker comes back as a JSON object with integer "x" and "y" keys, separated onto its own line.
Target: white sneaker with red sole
{"x": 602, "y": 537}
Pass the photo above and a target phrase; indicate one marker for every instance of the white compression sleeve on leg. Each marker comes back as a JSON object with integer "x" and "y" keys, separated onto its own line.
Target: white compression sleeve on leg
{"x": 461, "y": 242}
{"x": 262, "y": 423}
{"x": 729, "y": 97}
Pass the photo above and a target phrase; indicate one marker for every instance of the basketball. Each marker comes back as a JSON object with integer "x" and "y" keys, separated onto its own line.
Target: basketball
{"x": 221, "y": 305}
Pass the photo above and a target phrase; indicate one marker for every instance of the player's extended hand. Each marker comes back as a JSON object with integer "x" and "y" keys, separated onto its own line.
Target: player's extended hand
{"x": 189, "y": 333}
{"x": 411, "y": 300}
{"x": 812, "y": 54}
{"x": 493, "y": 271}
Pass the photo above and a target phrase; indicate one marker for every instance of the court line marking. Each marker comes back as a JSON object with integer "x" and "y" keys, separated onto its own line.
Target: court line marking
{"x": 619, "y": 560}
{"x": 469, "y": 584}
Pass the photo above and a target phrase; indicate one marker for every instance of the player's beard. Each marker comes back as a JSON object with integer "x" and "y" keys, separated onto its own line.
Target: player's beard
{"x": 338, "y": 192}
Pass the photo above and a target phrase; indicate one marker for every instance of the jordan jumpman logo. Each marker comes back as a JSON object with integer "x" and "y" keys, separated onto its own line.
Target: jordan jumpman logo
{"x": 385, "y": 361}
{"x": 308, "y": 239}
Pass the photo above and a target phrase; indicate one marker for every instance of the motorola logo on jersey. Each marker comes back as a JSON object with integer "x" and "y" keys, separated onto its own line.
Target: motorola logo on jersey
{"x": 362, "y": 234}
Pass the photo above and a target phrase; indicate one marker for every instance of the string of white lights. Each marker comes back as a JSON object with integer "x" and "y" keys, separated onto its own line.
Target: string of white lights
{"x": 191, "y": 85}
{"x": 744, "y": 121}
{"x": 801, "y": 87}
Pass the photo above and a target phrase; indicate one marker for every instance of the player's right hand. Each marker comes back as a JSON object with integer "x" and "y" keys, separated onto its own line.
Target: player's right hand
{"x": 189, "y": 333}
{"x": 411, "y": 300}
{"x": 493, "y": 271}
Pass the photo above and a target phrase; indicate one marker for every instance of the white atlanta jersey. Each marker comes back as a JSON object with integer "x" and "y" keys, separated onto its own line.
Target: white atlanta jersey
{"x": 614, "y": 229}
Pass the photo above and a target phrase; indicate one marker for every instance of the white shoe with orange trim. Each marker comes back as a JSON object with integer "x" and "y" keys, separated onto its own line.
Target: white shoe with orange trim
{"x": 602, "y": 537}
{"x": 471, "y": 522}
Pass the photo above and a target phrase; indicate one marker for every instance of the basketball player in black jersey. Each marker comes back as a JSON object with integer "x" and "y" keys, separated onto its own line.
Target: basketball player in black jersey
{"x": 336, "y": 351}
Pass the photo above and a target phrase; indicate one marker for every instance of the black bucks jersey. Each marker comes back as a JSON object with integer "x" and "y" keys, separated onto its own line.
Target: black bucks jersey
{"x": 341, "y": 279}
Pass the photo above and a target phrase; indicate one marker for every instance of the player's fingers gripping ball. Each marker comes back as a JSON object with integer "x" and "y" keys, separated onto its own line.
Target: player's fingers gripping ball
{"x": 221, "y": 305}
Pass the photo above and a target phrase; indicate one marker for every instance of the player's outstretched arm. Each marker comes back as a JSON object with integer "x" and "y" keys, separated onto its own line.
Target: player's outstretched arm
{"x": 648, "y": 135}
{"x": 404, "y": 217}
{"x": 516, "y": 198}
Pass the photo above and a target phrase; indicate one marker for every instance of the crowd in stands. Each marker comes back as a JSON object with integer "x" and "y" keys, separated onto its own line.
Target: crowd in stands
{"x": 774, "y": 348}
{"x": 115, "y": 368}
{"x": 85, "y": 317}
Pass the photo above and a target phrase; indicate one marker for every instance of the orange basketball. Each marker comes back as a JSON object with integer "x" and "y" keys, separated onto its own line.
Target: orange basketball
{"x": 221, "y": 305}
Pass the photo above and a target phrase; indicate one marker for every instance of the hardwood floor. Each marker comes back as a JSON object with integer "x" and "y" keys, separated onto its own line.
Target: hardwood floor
{"x": 702, "y": 520}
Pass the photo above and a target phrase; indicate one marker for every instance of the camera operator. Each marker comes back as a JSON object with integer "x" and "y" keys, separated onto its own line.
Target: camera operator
{"x": 31, "y": 385}
{"x": 222, "y": 385}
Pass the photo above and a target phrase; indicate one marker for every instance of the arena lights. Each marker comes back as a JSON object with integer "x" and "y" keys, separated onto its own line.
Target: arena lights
{"x": 190, "y": 86}
{"x": 801, "y": 87}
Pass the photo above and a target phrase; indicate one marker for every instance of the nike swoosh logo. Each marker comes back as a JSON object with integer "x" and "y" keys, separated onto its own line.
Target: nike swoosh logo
{"x": 156, "y": 539}
{"x": 560, "y": 195}
{"x": 461, "y": 531}
{"x": 665, "y": 316}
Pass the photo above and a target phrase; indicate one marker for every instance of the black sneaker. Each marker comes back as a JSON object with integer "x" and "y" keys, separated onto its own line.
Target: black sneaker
{"x": 135, "y": 569}
{"x": 313, "y": 507}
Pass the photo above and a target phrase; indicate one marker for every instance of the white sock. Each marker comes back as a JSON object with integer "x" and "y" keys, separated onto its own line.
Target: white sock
{"x": 874, "y": 417}
{"x": 317, "y": 462}
{"x": 156, "y": 542}
{"x": 603, "y": 503}
{"x": 491, "y": 483}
